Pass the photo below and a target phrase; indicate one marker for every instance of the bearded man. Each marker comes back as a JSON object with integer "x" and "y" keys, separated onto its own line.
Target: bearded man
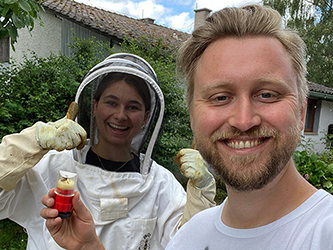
{"x": 247, "y": 95}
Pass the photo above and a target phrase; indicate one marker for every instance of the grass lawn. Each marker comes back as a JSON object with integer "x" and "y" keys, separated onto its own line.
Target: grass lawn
{"x": 12, "y": 236}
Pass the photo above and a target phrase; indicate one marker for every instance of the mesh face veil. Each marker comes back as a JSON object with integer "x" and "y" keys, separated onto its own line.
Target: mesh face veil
{"x": 128, "y": 64}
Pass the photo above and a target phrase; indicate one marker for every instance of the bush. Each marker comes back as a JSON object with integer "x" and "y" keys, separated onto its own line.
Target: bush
{"x": 36, "y": 90}
{"x": 41, "y": 89}
{"x": 317, "y": 169}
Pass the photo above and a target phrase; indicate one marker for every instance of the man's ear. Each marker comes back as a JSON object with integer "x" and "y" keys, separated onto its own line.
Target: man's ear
{"x": 303, "y": 113}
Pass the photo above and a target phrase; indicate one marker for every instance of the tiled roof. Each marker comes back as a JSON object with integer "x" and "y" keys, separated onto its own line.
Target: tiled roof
{"x": 315, "y": 87}
{"x": 111, "y": 23}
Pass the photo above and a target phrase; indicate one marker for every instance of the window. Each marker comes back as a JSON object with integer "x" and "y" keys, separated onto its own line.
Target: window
{"x": 312, "y": 115}
{"x": 4, "y": 49}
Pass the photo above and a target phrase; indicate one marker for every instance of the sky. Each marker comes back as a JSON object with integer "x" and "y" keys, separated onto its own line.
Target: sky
{"x": 175, "y": 14}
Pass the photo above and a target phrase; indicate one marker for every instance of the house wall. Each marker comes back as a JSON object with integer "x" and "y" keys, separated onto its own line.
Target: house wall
{"x": 325, "y": 118}
{"x": 42, "y": 40}
{"x": 71, "y": 29}
{"x": 54, "y": 36}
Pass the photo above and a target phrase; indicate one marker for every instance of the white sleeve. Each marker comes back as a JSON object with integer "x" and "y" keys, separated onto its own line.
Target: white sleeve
{"x": 18, "y": 153}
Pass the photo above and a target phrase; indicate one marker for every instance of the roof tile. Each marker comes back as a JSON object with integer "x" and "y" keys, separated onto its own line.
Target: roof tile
{"x": 112, "y": 23}
{"x": 320, "y": 88}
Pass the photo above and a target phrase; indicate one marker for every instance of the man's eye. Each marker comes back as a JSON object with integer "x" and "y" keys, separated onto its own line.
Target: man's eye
{"x": 266, "y": 95}
{"x": 221, "y": 98}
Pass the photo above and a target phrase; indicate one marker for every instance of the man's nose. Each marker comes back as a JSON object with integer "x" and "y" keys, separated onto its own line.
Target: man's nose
{"x": 244, "y": 115}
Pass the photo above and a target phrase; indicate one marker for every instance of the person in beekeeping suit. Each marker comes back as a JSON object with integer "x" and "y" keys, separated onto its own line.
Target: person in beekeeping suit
{"x": 134, "y": 202}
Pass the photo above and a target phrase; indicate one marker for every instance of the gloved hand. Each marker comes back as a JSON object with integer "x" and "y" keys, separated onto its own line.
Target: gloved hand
{"x": 194, "y": 167}
{"x": 62, "y": 134}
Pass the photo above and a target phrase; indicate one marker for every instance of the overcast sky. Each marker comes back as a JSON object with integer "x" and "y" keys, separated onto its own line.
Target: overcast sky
{"x": 175, "y": 14}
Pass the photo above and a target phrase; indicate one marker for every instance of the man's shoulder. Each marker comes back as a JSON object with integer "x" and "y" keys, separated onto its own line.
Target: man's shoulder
{"x": 195, "y": 233}
{"x": 206, "y": 216}
{"x": 322, "y": 198}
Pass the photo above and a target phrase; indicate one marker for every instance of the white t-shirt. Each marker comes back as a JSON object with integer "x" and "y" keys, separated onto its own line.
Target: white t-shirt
{"x": 310, "y": 226}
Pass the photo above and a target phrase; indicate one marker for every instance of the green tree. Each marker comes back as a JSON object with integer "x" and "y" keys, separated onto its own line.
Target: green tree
{"x": 17, "y": 14}
{"x": 313, "y": 19}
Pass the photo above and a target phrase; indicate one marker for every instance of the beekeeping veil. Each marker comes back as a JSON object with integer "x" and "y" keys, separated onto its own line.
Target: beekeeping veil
{"x": 129, "y": 64}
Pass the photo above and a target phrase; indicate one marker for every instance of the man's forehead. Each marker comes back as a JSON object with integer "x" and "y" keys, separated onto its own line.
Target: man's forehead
{"x": 229, "y": 58}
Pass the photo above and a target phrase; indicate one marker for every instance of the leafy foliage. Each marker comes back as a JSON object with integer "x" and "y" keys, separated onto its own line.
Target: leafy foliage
{"x": 41, "y": 89}
{"x": 317, "y": 169}
{"x": 17, "y": 14}
{"x": 37, "y": 90}
{"x": 314, "y": 22}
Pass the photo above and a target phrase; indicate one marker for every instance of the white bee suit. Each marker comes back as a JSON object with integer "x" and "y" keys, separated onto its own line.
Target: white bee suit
{"x": 131, "y": 210}
{"x": 126, "y": 207}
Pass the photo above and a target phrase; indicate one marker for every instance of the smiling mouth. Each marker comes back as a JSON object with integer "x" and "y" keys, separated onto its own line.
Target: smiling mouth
{"x": 117, "y": 127}
{"x": 242, "y": 144}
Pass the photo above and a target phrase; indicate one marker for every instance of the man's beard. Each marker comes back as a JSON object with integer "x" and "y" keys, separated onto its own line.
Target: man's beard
{"x": 247, "y": 173}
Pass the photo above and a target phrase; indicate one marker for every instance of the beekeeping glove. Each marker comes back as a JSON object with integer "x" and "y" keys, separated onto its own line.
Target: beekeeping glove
{"x": 194, "y": 167}
{"x": 62, "y": 134}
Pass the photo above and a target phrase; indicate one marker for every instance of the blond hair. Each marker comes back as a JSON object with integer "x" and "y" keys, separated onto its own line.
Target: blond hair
{"x": 251, "y": 20}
